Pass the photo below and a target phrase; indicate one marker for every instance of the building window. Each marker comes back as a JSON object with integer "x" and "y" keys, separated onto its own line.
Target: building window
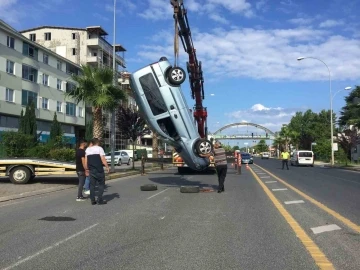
{"x": 27, "y": 97}
{"x": 59, "y": 65}
{"x": 70, "y": 109}
{"x": 45, "y": 103}
{"x": 59, "y": 106}
{"x": 71, "y": 69}
{"x": 73, "y": 51}
{"x": 9, "y": 95}
{"x": 45, "y": 58}
{"x": 48, "y": 36}
{"x": 73, "y": 35}
{"x": 10, "y": 42}
{"x": 81, "y": 112}
{"x": 30, "y": 50}
{"x": 58, "y": 84}
{"x": 45, "y": 79}
{"x": 29, "y": 73}
{"x": 70, "y": 87}
{"x": 10, "y": 67}
{"x": 33, "y": 37}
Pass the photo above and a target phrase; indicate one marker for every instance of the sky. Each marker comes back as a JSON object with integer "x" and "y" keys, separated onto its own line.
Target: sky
{"x": 248, "y": 49}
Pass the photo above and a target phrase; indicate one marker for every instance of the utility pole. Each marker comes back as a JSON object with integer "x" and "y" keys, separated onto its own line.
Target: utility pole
{"x": 112, "y": 121}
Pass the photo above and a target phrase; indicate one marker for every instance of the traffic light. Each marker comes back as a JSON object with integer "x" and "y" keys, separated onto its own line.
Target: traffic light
{"x": 252, "y": 135}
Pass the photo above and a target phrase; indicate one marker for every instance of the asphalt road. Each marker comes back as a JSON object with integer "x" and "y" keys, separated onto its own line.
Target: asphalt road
{"x": 241, "y": 228}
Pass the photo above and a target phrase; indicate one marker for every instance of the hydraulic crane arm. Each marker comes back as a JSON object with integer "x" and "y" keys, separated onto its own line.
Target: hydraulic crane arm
{"x": 194, "y": 68}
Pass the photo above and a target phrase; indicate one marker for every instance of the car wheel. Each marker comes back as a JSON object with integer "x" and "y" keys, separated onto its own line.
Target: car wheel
{"x": 203, "y": 147}
{"x": 128, "y": 161}
{"x": 176, "y": 75}
{"x": 20, "y": 175}
{"x": 119, "y": 162}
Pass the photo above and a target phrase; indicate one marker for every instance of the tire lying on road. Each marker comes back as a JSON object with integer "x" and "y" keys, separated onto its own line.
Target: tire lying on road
{"x": 189, "y": 189}
{"x": 148, "y": 187}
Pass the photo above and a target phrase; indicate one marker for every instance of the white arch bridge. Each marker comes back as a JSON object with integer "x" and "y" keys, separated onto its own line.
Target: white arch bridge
{"x": 252, "y": 136}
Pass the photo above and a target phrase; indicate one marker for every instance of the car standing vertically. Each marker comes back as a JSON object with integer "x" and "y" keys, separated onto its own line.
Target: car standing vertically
{"x": 158, "y": 94}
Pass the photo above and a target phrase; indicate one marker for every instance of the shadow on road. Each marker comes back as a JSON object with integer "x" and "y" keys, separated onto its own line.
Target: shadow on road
{"x": 180, "y": 181}
{"x": 110, "y": 197}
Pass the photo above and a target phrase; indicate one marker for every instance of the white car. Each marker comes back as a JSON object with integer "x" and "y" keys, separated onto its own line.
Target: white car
{"x": 121, "y": 157}
{"x": 265, "y": 155}
{"x": 302, "y": 158}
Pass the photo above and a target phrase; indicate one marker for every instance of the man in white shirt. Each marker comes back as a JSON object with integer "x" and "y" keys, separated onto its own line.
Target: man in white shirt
{"x": 95, "y": 162}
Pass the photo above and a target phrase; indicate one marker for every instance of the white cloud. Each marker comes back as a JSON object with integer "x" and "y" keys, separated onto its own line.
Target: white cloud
{"x": 301, "y": 21}
{"x": 262, "y": 5}
{"x": 330, "y": 23}
{"x": 270, "y": 117}
{"x": 157, "y": 10}
{"x": 267, "y": 54}
{"x": 238, "y": 6}
{"x": 218, "y": 18}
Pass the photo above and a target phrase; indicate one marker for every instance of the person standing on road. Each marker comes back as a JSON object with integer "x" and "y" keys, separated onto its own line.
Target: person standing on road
{"x": 80, "y": 169}
{"x": 87, "y": 179}
{"x": 285, "y": 159}
{"x": 94, "y": 165}
{"x": 220, "y": 165}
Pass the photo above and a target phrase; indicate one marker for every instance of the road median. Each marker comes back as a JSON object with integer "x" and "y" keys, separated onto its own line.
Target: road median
{"x": 42, "y": 191}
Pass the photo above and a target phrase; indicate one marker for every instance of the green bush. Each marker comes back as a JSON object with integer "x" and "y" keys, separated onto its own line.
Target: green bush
{"x": 16, "y": 144}
{"x": 63, "y": 154}
{"x": 39, "y": 151}
{"x": 141, "y": 152}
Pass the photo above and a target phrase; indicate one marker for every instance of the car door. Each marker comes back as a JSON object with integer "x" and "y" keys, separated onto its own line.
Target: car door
{"x": 124, "y": 157}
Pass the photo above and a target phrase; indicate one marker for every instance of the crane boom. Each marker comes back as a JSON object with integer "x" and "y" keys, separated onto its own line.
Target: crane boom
{"x": 194, "y": 68}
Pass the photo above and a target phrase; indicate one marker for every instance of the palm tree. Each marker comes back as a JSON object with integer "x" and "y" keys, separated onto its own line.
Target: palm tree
{"x": 95, "y": 87}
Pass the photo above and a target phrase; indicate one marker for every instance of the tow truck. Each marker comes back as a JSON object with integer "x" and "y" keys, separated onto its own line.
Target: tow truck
{"x": 21, "y": 170}
{"x": 196, "y": 79}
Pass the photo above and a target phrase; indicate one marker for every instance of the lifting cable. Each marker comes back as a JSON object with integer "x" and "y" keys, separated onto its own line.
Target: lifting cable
{"x": 176, "y": 41}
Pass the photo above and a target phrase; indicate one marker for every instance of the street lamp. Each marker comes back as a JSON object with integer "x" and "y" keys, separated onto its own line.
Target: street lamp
{"x": 331, "y": 99}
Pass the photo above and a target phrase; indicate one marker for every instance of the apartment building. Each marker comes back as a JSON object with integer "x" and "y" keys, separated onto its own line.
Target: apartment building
{"x": 30, "y": 72}
{"x": 87, "y": 46}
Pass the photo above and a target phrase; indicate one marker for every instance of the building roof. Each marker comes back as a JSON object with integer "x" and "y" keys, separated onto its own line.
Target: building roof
{"x": 13, "y": 32}
{"x": 119, "y": 48}
{"x": 96, "y": 29}
{"x": 52, "y": 27}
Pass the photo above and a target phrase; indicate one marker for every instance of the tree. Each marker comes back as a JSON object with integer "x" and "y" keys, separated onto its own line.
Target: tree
{"x": 236, "y": 147}
{"x": 56, "y": 132}
{"x": 155, "y": 145}
{"x": 261, "y": 146}
{"x": 227, "y": 148}
{"x": 95, "y": 88}
{"x": 350, "y": 113}
{"x": 132, "y": 125}
{"x": 348, "y": 139}
{"x": 27, "y": 123}
{"x": 21, "y": 122}
{"x": 89, "y": 130}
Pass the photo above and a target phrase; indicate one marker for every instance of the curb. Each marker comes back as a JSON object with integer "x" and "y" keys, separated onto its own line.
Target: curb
{"x": 343, "y": 168}
{"x": 112, "y": 176}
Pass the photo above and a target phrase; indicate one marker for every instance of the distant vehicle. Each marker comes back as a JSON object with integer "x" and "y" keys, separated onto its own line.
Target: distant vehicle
{"x": 246, "y": 158}
{"x": 121, "y": 157}
{"x": 302, "y": 157}
{"x": 265, "y": 155}
{"x": 130, "y": 153}
{"x": 158, "y": 94}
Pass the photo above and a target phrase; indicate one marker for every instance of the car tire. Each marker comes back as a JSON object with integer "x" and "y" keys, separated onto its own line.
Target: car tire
{"x": 20, "y": 175}
{"x": 148, "y": 187}
{"x": 119, "y": 162}
{"x": 128, "y": 161}
{"x": 189, "y": 189}
{"x": 203, "y": 147}
{"x": 176, "y": 75}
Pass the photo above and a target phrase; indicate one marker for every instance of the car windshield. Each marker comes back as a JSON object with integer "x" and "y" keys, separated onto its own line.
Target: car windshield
{"x": 245, "y": 156}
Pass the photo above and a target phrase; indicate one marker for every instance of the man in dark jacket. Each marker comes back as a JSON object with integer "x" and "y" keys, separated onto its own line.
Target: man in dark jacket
{"x": 220, "y": 165}
{"x": 80, "y": 169}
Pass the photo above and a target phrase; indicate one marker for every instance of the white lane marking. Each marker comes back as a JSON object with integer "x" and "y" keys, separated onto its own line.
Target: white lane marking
{"x": 326, "y": 228}
{"x": 264, "y": 176}
{"x": 261, "y": 173}
{"x": 269, "y": 182}
{"x": 293, "y": 202}
{"x": 48, "y": 248}
{"x": 279, "y": 189}
{"x": 157, "y": 193}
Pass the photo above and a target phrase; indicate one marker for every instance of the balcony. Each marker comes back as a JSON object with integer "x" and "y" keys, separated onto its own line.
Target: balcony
{"x": 99, "y": 43}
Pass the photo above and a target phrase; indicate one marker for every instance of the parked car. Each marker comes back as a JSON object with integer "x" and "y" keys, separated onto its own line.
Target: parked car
{"x": 121, "y": 157}
{"x": 246, "y": 158}
{"x": 160, "y": 99}
{"x": 265, "y": 155}
{"x": 130, "y": 153}
{"x": 302, "y": 157}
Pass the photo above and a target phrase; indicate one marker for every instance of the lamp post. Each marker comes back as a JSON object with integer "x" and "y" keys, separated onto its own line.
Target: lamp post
{"x": 331, "y": 111}
{"x": 112, "y": 120}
